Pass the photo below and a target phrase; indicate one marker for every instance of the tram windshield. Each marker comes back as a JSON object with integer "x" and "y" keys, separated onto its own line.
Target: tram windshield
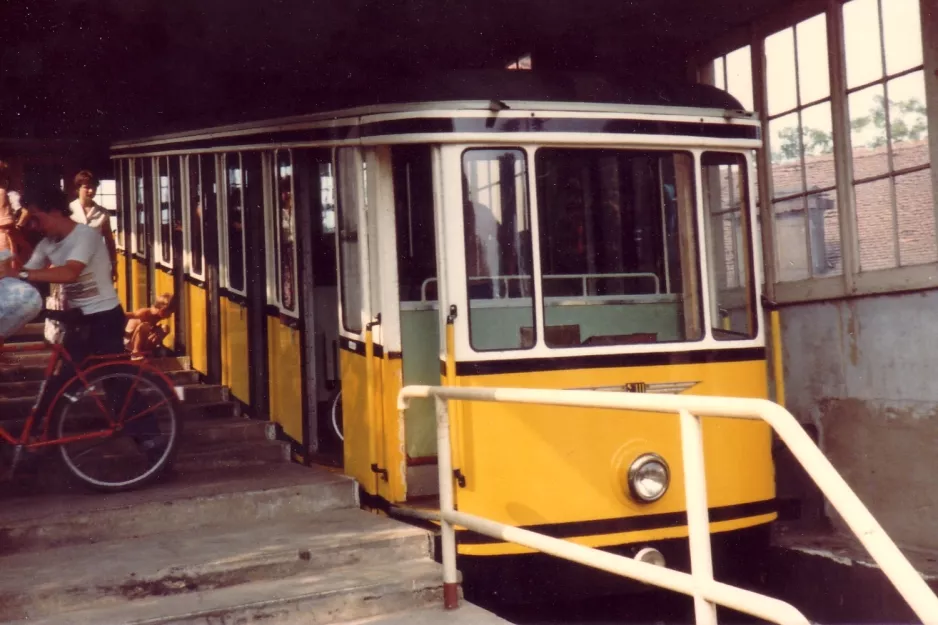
{"x": 618, "y": 244}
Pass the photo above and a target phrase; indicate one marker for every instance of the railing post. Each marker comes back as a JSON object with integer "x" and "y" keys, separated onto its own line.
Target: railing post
{"x": 448, "y": 534}
{"x": 698, "y": 516}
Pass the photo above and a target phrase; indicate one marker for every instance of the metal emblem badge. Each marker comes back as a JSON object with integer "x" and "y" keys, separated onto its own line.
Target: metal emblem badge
{"x": 658, "y": 388}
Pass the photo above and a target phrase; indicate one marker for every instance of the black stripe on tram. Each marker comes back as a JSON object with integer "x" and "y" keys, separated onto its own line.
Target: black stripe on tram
{"x": 604, "y": 361}
{"x": 621, "y": 525}
{"x": 358, "y": 347}
{"x": 194, "y": 281}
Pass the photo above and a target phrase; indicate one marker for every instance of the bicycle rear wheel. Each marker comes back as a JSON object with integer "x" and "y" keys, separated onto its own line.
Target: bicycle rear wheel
{"x": 120, "y": 431}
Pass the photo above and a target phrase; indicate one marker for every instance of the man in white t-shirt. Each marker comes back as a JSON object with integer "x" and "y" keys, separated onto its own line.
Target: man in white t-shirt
{"x": 75, "y": 256}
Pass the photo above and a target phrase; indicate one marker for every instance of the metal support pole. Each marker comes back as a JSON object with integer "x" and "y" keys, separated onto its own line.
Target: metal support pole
{"x": 698, "y": 516}
{"x": 448, "y": 534}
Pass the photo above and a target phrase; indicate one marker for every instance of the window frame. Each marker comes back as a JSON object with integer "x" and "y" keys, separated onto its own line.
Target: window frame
{"x": 224, "y": 255}
{"x": 851, "y": 282}
{"x": 121, "y": 167}
{"x": 159, "y": 245}
{"x": 452, "y": 238}
{"x": 187, "y": 247}
{"x": 139, "y": 248}
{"x": 273, "y": 225}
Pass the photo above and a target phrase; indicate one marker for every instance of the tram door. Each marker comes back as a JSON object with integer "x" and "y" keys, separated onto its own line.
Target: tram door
{"x": 420, "y": 320}
{"x": 242, "y": 281}
{"x": 168, "y": 249}
{"x": 141, "y": 230}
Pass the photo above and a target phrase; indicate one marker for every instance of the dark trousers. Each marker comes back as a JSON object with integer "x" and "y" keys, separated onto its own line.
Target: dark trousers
{"x": 102, "y": 334}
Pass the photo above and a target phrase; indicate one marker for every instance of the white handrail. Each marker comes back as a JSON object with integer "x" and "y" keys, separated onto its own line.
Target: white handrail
{"x": 699, "y": 583}
{"x": 583, "y": 277}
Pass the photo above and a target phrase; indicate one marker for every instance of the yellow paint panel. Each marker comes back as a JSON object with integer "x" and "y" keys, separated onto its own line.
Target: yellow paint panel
{"x": 528, "y": 465}
{"x": 122, "y": 280}
{"x": 610, "y": 540}
{"x": 197, "y": 327}
{"x": 286, "y": 378}
{"x": 141, "y": 284}
{"x": 394, "y": 457}
{"x": 234, "y": 352}
{"x": 357, "y": 423}
{"x": 165, "y": 284}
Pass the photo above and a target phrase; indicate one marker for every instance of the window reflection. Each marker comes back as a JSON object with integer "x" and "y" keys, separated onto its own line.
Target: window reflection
{"x": 235, "y": 220}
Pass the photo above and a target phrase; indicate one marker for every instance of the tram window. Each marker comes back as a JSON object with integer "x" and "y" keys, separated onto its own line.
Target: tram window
{"x": 234, "y": 221}
{"x": 617, "y": 246}
{"x": 195, "y": 234}
{"x": 142, "y": 186}
{"x": 416, "y": 237}
{"x": 122, "y": 172}
{"x": 286, "y": 228}
{"x": 497, "y": 225}
{"x": 726, "y": 206}
{"x": 349, "y": 186}
{"x": 164, "y": 229}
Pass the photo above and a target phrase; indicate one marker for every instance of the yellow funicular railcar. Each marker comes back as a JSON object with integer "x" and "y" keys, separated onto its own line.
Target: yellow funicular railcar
{"x": 517, "y": 230}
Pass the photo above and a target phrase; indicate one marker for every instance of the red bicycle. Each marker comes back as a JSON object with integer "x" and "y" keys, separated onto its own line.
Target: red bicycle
{"x": 114, "y": 421}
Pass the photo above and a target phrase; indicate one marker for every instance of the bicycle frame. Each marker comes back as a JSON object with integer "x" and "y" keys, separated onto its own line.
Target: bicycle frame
{"x": 58, "y": 356}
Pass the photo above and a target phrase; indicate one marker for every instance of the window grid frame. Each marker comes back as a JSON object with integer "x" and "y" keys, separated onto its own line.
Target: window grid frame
{"x": 852, "y": 282}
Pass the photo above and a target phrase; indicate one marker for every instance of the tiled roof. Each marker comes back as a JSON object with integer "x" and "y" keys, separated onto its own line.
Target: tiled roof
{"x": 875, "y": 224}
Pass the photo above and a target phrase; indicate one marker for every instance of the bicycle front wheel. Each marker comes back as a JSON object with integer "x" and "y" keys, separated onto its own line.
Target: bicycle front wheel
{"x": 120, "y": 431}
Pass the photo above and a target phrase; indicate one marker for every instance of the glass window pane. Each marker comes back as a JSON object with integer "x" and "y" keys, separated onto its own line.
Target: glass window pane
{"x": 123, "y": 187}
{"x": 739, "y": 76}
{"x": 793, "y": 262}
{"x": 868, "y": 132}
{"x": 818, "y": 138}
{"x": 287, "y": 229}
{"x": 813, "y": 76}
{"x": 498, "y": 250}
{"x": 875, "y": 228}
{"x": 195, "y": 216}
{"x": 416, "y": 237}
{"x": 142, "y": 186}
{"x": 165, "y": 227}
{"x": 862, "y": 42}
{"x": 618, "y": 247}
{"x": 785, "y": 139}
{"x": 726, "y": 204}
{"x": 234, "y": 182}
{"x": 780, "y": 71}
{"x": 916, "y": 211}
{"x": 719, "y": 77}
{"x": 823, "y": 240}
{"x": 209, "y": 202}
{"x": 902, "y": 30}
{"x": 349, "y": 194}
{"x": 908, "y": 122}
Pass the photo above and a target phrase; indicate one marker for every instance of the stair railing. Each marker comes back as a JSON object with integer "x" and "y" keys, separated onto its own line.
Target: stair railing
{"x": 699, "y": 583}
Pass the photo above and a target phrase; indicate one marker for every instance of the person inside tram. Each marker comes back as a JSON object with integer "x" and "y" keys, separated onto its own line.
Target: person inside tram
{"x": 482, "y": 248}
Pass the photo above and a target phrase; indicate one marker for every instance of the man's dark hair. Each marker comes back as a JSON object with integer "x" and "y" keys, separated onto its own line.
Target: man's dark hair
{"x": 46, "y": 199}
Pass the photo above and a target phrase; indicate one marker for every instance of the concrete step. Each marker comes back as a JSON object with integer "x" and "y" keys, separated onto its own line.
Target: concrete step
{"x": 195, "y": 392}
{"x": 14, "y": 372}
{"x": 180, "y": 502}
{"x": 466, "y": 614}
{"x": 196, "y": 458}
{"x": 200, "y": 432}
{"x": 199, "y": 402}
{"x": 83, "y": 577}
{"x": 342, "y": 594}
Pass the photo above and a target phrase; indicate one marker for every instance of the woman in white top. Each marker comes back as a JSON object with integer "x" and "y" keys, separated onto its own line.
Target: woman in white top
{"x": 86, "y": 211}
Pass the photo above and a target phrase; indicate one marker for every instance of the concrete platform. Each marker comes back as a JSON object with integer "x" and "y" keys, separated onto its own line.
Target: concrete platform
{"x": 277, "y": 544}
{"x": 467, "y": 614}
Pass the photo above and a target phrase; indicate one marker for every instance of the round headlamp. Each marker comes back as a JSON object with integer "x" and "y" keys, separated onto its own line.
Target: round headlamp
{"x": 649, "y": 478}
